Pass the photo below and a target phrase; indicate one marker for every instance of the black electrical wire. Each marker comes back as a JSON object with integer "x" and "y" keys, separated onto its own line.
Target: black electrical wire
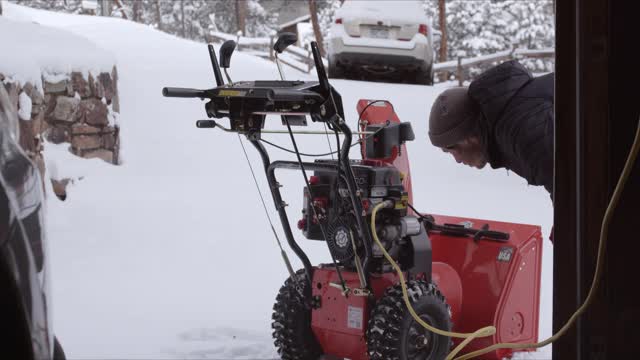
{"x": 374, "y": 102}
{"x": 331, "y": 127}
{"x": 303, "y": 154}
{"x": 306, "y": 180}
{"x": 360, "y": 139}
{"x": 427, "y": 218}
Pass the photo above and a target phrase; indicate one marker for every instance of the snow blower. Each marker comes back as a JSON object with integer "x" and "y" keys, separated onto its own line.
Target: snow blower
{"x": 401, "y": 284}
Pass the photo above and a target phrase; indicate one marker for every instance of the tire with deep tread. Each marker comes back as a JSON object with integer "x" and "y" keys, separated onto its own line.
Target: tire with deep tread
{"x": 393, "y": 334}
{"x": 291, "y": 324}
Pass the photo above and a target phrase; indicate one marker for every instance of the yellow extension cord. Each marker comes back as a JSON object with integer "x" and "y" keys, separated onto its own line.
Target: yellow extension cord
{"x": 490, "y": 330}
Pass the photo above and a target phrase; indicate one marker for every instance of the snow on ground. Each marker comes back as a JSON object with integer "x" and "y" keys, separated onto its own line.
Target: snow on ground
{"x": 169, "y": 255}
{"x": 23, "y": 57}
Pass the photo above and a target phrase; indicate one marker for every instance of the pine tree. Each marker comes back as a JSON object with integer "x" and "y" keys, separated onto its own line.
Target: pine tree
{"x": 68, "y": 6}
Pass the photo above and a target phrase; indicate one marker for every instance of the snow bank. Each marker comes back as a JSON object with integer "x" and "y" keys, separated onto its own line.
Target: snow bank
{"x": 30, "y": 49}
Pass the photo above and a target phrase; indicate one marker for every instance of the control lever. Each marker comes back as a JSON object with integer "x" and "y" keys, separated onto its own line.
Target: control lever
{"x": 216, "y": 67}
{"x": 284, "y": 40}
{"x": 226, "y": 50}
{"x": 461, "y": 230}
{"x": 323, "y": 80}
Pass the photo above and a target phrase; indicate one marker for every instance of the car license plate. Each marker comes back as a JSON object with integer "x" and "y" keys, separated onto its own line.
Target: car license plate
{"x": 379, "y": 32}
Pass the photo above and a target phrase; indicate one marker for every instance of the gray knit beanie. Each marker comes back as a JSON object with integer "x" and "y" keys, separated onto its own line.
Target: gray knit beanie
{"x": 453, "y": 117}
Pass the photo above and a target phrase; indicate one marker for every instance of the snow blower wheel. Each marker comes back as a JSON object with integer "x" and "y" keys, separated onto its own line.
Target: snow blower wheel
{"x": 393, "y": 334}
{"x": 291, "y": 325}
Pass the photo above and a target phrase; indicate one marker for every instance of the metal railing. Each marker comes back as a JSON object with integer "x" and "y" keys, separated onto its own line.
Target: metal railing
{"x": 298, "y": 58}
{"x": 301, "y": 59}
{"x": 461, "y": 64}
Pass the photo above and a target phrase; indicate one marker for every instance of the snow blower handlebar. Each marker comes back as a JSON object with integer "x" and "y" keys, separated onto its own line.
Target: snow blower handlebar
{"x": 183, "y": 93}
{"x": 247, "y": 103}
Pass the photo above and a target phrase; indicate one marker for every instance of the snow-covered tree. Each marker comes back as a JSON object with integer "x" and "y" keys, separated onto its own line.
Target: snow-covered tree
{"x": 68, "y": 6}
{"x": 483, "y": 27}
{"x": 474, "y": 28}
{"x": 326, "y": 12}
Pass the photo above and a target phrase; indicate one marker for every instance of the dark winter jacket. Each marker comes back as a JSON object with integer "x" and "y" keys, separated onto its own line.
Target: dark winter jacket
{"x": 517, "y": 121}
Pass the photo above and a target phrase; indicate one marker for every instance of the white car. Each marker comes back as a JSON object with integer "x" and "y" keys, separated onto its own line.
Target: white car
{"x": 388, "y": 38}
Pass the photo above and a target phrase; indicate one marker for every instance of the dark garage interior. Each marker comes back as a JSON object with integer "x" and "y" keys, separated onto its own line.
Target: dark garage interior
{"x": 597, "y": 113}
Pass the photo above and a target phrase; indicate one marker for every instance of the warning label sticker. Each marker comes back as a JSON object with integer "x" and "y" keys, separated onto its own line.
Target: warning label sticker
{"x": 505, "y": 254}
{"x": 354, "y": 317}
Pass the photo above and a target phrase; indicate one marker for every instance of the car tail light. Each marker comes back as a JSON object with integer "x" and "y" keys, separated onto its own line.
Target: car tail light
{"x": 423, "y": 29}
{"x": 338, "y": 21}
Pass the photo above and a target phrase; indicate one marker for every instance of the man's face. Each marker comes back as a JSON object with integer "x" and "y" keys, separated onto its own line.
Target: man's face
{"x": 468, "y": 151}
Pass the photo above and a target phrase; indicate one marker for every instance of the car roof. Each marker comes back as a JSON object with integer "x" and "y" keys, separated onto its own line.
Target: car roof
{"x": 405, "y": 10}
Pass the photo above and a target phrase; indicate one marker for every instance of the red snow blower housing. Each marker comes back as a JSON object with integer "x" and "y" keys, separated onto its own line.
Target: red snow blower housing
{"x": 456, "y": 274}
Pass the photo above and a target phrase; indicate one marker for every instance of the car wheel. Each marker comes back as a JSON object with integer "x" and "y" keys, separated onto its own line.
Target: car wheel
{"x": 336, "y": 71}
{"x": 424, "y": 77}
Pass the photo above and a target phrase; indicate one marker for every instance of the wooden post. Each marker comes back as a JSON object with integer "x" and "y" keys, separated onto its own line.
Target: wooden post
{"x": 460, "y": 71}
{"x": 512, "y": 55}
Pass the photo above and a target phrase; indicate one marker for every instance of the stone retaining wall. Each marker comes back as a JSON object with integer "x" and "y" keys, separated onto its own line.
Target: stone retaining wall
{"x": 73, "y": 109}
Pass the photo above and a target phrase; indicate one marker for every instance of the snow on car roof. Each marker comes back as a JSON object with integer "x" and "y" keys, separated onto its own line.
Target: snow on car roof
{"x": 405, "y": 10}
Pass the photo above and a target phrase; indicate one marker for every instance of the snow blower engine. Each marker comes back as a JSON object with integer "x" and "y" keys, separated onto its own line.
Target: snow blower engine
{"x": 394, "y": 288}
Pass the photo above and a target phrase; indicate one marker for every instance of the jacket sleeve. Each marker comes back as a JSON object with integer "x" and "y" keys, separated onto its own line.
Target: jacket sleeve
{"x": 532, "y": 145}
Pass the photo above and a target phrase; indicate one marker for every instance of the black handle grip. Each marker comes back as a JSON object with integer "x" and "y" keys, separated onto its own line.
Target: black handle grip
{"x": 284, "y": 40}
{"x": 325, "y": 88}
{"x": 183, "y": 92}
{"x": 496, "y": 235}
{"x": 226, "y": 50}
{"x": 206, "y": 124}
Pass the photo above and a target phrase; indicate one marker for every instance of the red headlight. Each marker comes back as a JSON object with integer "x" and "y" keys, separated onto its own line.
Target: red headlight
{"x": 423, "y": 29}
